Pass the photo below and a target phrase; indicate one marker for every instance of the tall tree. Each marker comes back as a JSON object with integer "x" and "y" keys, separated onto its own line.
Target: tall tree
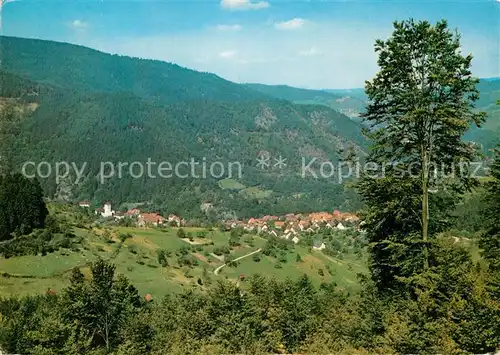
{"x": 98, "y": 309}
{"x": 490, "y": 240}
{"x": 420, "y": 104}
{"x": 22, "y": 207}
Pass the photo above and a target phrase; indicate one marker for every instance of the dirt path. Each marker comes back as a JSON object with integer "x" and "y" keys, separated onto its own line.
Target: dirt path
{"x": 216, "y": 271}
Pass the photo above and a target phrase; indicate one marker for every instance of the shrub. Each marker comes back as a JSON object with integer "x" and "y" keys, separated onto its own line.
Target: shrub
{"x": 162, "y": 257}
{"x": 181, "y": 234}
{"x": 124, "y": 236}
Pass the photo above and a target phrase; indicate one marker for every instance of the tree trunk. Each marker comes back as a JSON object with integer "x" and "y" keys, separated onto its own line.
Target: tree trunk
{"x": 425, "y": 207}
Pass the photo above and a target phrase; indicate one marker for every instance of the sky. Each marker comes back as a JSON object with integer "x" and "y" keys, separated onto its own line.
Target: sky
{"x": 311, "y": 44}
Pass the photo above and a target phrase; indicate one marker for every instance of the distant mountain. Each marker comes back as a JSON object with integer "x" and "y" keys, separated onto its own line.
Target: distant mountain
{"x": 349, "y": 102}
{"x": 91, "y": 107}
{"x": 489, "y": 134}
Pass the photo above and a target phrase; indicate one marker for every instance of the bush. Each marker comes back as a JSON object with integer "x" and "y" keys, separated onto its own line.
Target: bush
{"x": 187, "y": 260}
{"x": 162, "y": 257}
{"x": 256, "y": 257}
{"x": 221, "y": 250}
{"x": 124, "y": 236}
{"x": 282, "y": 258}
{"x": 181, "y": 234}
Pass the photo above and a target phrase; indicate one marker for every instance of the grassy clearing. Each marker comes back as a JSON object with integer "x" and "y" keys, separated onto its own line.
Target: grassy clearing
{"x": 230, "y": 184}
{"x": 136, "y": 258}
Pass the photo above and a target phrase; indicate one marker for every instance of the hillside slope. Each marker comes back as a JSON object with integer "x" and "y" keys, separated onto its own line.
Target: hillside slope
{"x": 80, "y": 68}
{"x": 349, "y": 102}
{"x": 489, "y": 134}
{"x": 83, "y": 116}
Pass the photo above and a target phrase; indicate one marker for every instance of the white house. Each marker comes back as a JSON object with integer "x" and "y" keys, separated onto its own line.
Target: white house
{"x": 340, "y": 226}
{"x": 318, "y": 246}
{"x": 173, "y": 219}
{"x": 108, "y": 211}
{"x": 295, "y": 239}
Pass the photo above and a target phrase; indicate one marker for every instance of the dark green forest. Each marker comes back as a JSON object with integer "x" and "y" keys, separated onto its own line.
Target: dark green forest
{"x": 126, "y": 113}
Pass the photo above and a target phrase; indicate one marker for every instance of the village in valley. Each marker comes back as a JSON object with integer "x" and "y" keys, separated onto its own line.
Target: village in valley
{"x": 288, "y": 227}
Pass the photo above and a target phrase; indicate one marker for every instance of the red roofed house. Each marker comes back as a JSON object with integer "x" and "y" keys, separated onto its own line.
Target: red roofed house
{"x": 151, "y": 219}
{"x": 133, "y": 212}
{"x": 279, "y": 224}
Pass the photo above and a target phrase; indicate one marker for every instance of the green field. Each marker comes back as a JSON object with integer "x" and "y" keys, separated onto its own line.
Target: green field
{"x": 136, "y": 258}
{"x": 230, "y": 184}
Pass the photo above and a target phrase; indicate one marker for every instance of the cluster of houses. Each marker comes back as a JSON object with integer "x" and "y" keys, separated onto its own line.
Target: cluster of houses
{"x": 140, "y": 218}
{"x": 290, "y": 226}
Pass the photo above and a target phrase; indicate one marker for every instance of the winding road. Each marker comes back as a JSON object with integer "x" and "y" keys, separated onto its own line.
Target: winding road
{"x": 216, "y": 271}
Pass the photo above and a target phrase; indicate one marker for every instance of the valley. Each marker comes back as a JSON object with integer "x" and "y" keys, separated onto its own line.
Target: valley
{"x": 193, "y": 255}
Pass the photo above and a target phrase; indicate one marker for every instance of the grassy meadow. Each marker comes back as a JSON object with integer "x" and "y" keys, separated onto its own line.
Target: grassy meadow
{"x": 135, "y": 256}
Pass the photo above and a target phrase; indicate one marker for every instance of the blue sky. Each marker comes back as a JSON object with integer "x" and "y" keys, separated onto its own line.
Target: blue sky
{"x": 312, "y": 44}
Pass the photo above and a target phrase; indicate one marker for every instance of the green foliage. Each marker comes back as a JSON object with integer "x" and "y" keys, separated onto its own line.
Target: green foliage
{"x": 181, "y": 234}
{"x": 490, "y": 240}
{"x": 124, "y": 236}
{"x": 22, "y": 207}
{"x": 421, "y": 104}
{"x": 162, "y": 257}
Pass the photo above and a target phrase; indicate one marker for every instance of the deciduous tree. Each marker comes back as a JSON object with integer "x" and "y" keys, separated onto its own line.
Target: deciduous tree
{"x": 420, "y": 104}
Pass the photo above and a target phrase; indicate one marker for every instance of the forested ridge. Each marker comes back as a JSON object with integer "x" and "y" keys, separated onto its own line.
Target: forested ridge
{"x": 112, "y": 108}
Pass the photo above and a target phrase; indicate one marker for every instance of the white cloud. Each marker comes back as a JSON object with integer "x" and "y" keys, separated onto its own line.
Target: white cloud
{"x": 79, "y": 24}
{"x": 229, "y": 27}
{"x": 310, "y": 52}
{"x": 243, "y": 5}
{"x": 227, "y": 54}
{"x": 321, "y": 57}
{"x": 293, "y": 24}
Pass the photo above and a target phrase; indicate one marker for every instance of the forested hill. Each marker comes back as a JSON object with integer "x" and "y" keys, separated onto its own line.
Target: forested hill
{"x": 344, "y": 101}
{"x": 351, "y": 102}
{"x": 66, "y": 65}
{"x": 88, "y": 106}
{"x": 489, "y": 133}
